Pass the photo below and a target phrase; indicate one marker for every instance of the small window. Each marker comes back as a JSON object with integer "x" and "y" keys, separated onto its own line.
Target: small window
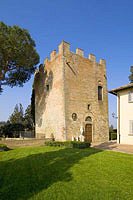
{"x": 74, "y": 116}
{"x": 89, "y": 106}
{"x": 88, "y": 119}
{"x": 100, "y": 93}
{"x": 131, "y": 127}
{"x": 47, "y": 88}
{"x": 130, "y": 97}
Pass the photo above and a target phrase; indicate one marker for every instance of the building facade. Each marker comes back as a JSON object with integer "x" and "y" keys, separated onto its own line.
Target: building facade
{"x": 71, "y": 96}
{"x": 124, "y": 113}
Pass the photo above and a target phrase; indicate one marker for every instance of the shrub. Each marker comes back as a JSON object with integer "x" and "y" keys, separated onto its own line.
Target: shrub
{"x": 11, "y": 130}
{"x": 80, "y": 145}
{"x": 52, "y": 137}
{"x": 3, "y": 147}
{"x": 68, "y": 144}
{"x": 112, "y": 136}
{"x": 58, "y": 143}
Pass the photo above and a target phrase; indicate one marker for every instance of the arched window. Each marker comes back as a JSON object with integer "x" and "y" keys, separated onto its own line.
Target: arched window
{"x": 100, "y": 93}
{"x": 88, "y": 119}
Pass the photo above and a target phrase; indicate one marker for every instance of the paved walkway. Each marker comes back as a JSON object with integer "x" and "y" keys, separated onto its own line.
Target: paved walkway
{"x": 115, "y": 147}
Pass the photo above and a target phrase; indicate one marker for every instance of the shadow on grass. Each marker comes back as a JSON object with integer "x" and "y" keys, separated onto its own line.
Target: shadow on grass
{"x": 23, "y": 178}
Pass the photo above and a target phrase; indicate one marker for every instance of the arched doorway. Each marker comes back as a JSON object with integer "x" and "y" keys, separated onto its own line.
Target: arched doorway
{"x": 88, "y": 129}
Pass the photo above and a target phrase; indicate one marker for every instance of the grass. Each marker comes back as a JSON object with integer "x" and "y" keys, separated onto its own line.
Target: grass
{"x": 53, "y": 173}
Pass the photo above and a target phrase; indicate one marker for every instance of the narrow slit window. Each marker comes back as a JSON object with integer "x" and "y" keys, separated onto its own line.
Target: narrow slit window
{"x": 47, "y": 88}
{"x": 100, "y": 93}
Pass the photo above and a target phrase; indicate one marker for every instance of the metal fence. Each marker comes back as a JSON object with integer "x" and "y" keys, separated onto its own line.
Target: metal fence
{"x": 23, "y": 134}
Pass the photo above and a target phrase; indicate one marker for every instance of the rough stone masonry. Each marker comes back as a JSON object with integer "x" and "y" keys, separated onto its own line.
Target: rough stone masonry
{"x": 70, "y": 95}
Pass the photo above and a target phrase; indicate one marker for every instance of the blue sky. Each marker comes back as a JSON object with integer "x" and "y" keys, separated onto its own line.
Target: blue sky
{"x": 101, "y": 27}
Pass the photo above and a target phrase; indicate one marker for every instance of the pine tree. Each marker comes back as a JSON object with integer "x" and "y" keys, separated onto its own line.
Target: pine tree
{"x": 17, "y": 117}
{"x": 18, "y": 56}
{"x": 28, "y": 120}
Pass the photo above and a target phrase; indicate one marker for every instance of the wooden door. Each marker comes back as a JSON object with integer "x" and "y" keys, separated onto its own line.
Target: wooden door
{"x": 88, "y": 133}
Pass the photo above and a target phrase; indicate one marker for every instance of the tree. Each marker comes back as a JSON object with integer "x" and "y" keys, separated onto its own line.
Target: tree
{"x": 17, "y": 117}
{"x": 18, "y": 57}
{"x": 18, "y": 122}
{"x": 111, "y": 128}
{"x": 131, "y": 75}
{"x": 2, "y": 123}
{"x": 28, "y": 120}
{"x": 11, "y": 130}
{"x": 33, "y": 105}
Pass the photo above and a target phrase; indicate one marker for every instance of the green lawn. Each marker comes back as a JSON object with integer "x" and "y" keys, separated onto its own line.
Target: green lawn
{"x": 43, "y": 173}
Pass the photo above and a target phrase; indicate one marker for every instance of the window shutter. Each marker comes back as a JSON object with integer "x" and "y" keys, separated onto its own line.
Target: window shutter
{"x": 130, "y": 96}
{"x": 131, "y": 126}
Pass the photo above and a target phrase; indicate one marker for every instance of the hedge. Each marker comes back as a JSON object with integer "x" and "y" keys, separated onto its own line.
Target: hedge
{"x": 69, "y": 144}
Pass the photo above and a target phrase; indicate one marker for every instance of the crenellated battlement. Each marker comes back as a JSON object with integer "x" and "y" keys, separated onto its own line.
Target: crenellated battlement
{"x": 102, "y": 62}
{"x": 80, "y": 52}
{"x": 64, "y": 49}
{"x": 46, "y": 60}
{"x": 53, "y": 55}
{"x": 92, "y": 57}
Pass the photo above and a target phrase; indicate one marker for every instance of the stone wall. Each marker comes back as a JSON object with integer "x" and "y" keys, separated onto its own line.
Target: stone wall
{"x": 82, "y": 77}
{"x": 18, "y": 142}
{"x": 49, "y": 102}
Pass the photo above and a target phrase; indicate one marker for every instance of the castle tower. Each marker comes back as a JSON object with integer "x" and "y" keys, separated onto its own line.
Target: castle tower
{"x": 70, "y": 96}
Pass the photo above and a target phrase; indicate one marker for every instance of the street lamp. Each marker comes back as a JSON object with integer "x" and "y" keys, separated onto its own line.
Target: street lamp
{"x": 114, "y": 115}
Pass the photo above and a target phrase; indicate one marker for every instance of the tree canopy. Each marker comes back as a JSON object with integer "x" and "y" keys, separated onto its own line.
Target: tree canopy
{"x": 18, "y": 56}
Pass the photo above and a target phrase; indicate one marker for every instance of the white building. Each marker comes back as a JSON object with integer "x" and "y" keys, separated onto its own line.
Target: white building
{"x": 124, "y": 113}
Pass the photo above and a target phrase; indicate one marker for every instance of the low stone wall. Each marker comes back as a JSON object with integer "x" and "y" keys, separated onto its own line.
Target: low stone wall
{"x": 18, "y": 142}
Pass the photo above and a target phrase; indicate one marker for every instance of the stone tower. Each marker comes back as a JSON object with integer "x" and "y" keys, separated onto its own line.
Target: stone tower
{"x": 71, "y": 96}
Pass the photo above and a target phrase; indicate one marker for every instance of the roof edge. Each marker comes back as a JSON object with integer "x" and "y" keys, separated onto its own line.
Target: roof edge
{"x": 124, "y": 87}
